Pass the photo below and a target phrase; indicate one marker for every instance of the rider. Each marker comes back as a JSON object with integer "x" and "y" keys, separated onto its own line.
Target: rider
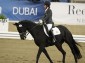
{"x": 47, "y": 19}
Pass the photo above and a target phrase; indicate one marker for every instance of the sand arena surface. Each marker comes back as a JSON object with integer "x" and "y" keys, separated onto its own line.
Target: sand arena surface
{"x": 25, "y": 51}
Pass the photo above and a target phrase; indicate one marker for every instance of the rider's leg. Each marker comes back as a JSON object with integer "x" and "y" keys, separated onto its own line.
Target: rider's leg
{"x": 46, "y": 29}
{"x": 54, "y": 39}
{"x": 49, "y": 26}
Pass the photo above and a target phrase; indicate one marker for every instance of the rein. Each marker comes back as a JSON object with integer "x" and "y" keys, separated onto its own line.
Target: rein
{"x": 31, "y": 29}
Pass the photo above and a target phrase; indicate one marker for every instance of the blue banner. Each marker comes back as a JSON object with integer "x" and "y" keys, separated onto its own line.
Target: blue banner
{"x": 21, "y": 10}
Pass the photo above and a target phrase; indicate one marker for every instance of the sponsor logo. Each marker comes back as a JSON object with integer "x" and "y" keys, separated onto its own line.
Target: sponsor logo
{"x": 24, "y": 11}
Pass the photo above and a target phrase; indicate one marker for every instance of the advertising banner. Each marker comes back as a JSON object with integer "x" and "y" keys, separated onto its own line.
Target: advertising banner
{"x": 68, "y": 13}
{"x": 63, "y": 13}
{"x": 21, "y": 10}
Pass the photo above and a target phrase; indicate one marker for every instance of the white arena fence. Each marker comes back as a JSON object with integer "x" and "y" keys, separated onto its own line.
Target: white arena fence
{"x": 15, "y": 35}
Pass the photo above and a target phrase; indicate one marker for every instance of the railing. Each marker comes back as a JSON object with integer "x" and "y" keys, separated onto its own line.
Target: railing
{"x": 15, "y": 35}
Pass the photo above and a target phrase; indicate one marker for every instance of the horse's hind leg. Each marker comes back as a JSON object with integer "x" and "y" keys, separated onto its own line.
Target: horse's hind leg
{"x": 59, "y": 46}
{"x": 73, "y": 52}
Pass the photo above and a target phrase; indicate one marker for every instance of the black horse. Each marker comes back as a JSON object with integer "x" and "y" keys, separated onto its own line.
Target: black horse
{"x": 42, "y": 40}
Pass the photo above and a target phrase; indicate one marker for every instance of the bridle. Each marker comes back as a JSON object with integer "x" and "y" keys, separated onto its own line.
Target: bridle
{"x": 26, "y": 33}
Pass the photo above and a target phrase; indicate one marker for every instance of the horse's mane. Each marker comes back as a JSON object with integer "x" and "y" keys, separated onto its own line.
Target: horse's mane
{"x": 30, "y": 23}
{"x": 27, "y": 21}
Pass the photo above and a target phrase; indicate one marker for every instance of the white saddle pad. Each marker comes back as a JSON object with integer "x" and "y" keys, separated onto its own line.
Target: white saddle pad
{"x": 55, "y": 30}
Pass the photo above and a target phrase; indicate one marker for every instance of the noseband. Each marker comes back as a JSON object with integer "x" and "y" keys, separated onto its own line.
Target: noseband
{"x": 26, "y": 33}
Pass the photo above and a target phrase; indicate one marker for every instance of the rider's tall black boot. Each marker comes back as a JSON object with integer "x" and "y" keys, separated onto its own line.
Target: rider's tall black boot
{"x": 54, "y": 39}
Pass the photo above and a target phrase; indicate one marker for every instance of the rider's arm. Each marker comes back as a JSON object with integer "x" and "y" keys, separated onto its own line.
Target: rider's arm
{"x": 47, "y": 15}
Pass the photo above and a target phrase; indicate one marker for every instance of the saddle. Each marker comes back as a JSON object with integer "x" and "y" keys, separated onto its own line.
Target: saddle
{"x": 55, "y": 30}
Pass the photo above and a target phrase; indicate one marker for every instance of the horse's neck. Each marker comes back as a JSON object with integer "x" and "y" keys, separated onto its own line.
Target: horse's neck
{"x": 34, "y": 30}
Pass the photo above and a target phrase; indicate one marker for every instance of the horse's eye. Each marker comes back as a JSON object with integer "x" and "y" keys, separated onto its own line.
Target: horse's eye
{"x": 20, "y": 25}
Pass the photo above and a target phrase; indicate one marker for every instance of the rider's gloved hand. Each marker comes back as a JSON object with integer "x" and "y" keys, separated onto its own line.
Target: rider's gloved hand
{"x": 40, "y": 21}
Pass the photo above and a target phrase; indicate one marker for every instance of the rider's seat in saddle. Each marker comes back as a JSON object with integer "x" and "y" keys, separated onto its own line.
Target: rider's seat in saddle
{"x": 54, "y": 31}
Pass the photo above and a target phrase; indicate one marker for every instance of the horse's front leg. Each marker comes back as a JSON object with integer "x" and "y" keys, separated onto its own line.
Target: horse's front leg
{"x": 38, "y": 54}
{"x": 45, "y": 52}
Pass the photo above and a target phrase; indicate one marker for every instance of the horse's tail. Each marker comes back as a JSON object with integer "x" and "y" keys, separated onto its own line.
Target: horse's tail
{"x": 72, "y": 44}
{"x": 76, "y": 49}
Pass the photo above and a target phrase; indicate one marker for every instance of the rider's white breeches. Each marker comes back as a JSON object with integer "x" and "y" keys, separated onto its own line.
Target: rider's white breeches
{"x": 49, "y": 26}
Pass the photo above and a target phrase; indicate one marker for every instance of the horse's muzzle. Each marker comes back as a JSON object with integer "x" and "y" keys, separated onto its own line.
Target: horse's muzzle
{"x": 22, "y": 36}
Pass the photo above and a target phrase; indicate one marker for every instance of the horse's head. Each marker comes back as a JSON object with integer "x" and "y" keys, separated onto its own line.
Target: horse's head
{"x": 21, "y": 29}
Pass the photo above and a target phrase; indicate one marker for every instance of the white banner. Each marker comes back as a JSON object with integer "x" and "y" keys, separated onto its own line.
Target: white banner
{"x": 4, "y": 25}
{"x": 68, "y": 13}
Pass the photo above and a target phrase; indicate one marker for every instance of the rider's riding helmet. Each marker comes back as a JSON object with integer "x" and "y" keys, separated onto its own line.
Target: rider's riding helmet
{"x": 47, "y": 3}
